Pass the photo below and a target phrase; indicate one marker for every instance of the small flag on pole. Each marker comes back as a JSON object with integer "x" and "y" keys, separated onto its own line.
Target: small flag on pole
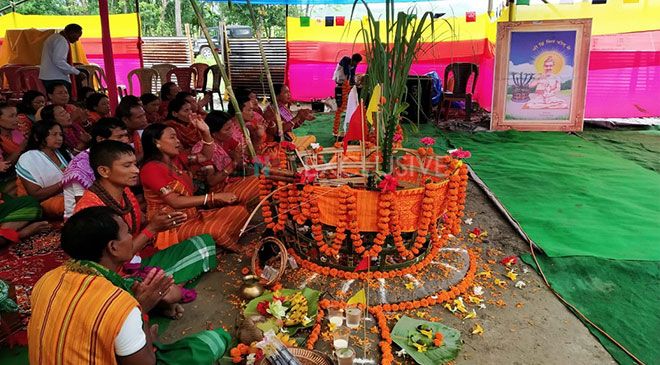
{"x": 373, "y": 104}
{"x": 522, "y": 2}
{"x": 358, "y": 298}
{"x": 339, "y": 21}
{"x": 598, "y": 2}
{"x": 329, "y": 21}
{"x": 631, "y": 1}
{"x": 471, "y": 16}
{"x": 304, "y": 21}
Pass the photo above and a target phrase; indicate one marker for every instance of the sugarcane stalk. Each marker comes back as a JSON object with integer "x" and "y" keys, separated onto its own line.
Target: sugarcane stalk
{"x": 269, "y": 78}
{"x": 223, "y": 72}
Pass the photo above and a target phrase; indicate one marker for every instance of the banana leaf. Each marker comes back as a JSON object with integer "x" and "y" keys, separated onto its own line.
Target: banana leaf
{"x": 434, "y": 355}
{"x": 271, "y": 323}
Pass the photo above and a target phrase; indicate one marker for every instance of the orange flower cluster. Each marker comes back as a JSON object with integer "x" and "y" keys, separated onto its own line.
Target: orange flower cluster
{"x": 425, "y": 151}
{"x": 336, "y": 273}
{"x": 352, "y": 216}
{"x": 395, "y": 230}
{"x": 345, "y": 89}
{"x": 427, "y": 216}
{"x": 282, "y": 197}
{"x": 264, "y": 190}
{"x": 316, "y": 331}
{"x": 294, "y": 203}
{"x": 238, "y": 352}
{"x": 386, "y": 357}
{"x": 385, "y": 202}
{"x": 340, "y": 234}
{"x": 456, "y": 194}
{"x": 315, "y": 216}
{"x": 438, "y": 339}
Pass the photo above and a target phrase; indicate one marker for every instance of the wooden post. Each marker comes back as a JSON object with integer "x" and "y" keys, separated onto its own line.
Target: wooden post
{"x": 186, "y": 28}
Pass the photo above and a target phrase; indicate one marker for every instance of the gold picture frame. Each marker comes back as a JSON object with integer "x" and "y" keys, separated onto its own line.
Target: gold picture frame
{"x": 540, "y": 75}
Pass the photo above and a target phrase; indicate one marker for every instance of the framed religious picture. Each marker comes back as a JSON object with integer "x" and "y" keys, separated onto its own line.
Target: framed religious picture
{"x": 541, "y": 75}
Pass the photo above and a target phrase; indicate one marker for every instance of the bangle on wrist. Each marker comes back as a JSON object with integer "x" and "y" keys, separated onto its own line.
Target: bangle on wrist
{"x": 207, "y": 143}
{"x": 206, "y": 198}
{"x": 147, "y": 233}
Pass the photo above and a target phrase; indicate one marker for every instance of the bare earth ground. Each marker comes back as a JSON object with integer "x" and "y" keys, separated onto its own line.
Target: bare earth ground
{"x": 521, "y": 326}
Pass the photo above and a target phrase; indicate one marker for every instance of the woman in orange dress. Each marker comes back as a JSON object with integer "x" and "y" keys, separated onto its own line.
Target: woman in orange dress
{"x": 168, "y": 187}
{"x": 98, "y": 106}
{"x": 180, "y": 118}
{"x": 151, "y": 104}
{"x": 225, "y": 175}
{"x": 27, "y": 109}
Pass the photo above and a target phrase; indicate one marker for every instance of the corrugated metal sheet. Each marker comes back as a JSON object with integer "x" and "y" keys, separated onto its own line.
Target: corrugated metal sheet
{"x": 246, "y": 66}
{"x": 166, "y": 50}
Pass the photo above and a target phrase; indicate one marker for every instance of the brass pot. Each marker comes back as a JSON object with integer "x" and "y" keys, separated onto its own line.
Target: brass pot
{"x": 251, "y": 287}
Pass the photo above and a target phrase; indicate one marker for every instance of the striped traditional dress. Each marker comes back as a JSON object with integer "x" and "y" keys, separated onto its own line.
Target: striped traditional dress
{"x": 223, "y": 224}
{"x": 76, "y": 318}
{"x": 185, "y": 260}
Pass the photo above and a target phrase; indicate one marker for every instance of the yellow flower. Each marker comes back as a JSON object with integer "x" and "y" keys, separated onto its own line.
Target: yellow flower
{"x": 500, "y": 283}
{"x": 420, "y": 348}
{"x": 474, "y": 300}
{"x": 421, "y": 314}
{"x": 460, "y": 306}
{"x": 472, "y": 314}
{"x": 410, "y": 286}
{"x": 486, "y": 274}
{"x": 477, "y": 330}
{"x": 511, "y": 275}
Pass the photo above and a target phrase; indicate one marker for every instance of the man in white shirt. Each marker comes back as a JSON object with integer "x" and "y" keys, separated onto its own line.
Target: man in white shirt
{"x": 345, "y": 70}
{"x": 54, "y": 57}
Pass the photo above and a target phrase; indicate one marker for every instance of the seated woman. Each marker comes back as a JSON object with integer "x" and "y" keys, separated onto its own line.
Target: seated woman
{"x": 168, "y": 92}
{"x": 115, "y": 168}
{"x": 255, "y": 102}
{"x": 79, "y": 175}
{"x": 76, "y": 139}
{"x": 181, "y": 118}
{"x": 41, "y": 167}
{"x": 27, "y": 109}
{"x": 12, "y": 144}
{"x": 168, "y": 187}
{"x": 58, "y": 94}
{"x": 289, "y": 121}
{"x": 16, "y": 215}
{"x": 221, "y": 178}
{"x": 151, "y": 105}
{"x": 98, "y": 106}
{"x": 196, "y": 105}
{"x": 85, "y": 312}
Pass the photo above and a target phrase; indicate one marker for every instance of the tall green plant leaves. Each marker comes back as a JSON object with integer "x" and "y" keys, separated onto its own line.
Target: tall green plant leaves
{"x": 390, "y": 59}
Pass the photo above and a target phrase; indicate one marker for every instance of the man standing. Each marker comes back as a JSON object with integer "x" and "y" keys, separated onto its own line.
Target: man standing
{"x": 344, "y": 71}
{"x": 55, "y": 65}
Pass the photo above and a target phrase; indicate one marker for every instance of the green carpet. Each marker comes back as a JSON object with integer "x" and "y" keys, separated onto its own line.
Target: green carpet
{"x": 571, "y": 196}
{"x": 622, "y": 297}
{"x": 639, "y": 146}
{"x": 594, "y": 208}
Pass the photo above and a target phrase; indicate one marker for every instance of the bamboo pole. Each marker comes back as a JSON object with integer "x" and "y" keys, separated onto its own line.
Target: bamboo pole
{"x": 269, "y": 78}
{"x": 223, "y": 72}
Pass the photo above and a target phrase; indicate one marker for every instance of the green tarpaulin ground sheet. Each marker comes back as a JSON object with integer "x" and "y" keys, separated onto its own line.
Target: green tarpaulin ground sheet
{"x": 622, "y": 297}
{"x": 571, "y": 196}
{"x": 639, "y": 146}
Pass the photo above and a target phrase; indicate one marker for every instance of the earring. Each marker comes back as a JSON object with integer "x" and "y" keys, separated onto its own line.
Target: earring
{"x": 158, "y": 146}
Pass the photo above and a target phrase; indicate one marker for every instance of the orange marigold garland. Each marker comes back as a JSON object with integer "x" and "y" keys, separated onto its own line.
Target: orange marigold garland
{"x": 316, "y": 331}
{"x": 264, "y": 190}
{"x": 385, "y": 344}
